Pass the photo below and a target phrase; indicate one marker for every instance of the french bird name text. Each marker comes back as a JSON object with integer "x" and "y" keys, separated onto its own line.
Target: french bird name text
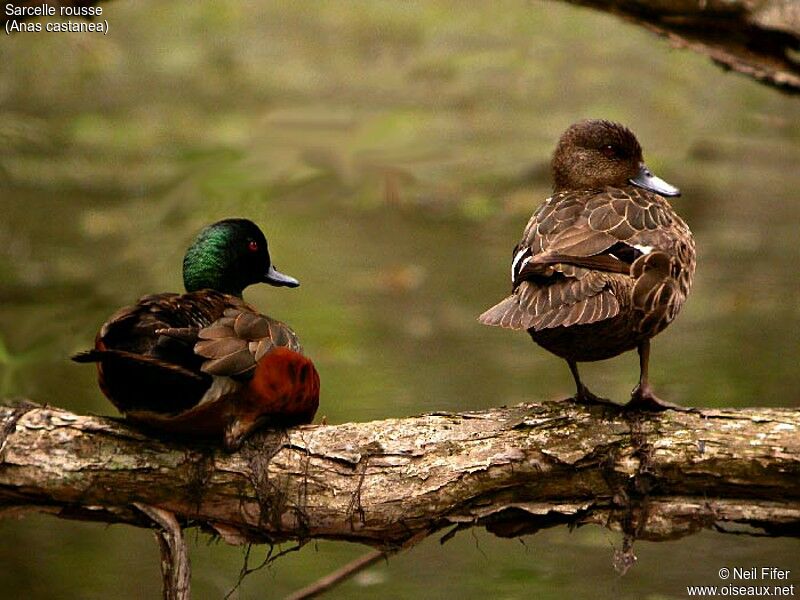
{"x": 46, "y": 10}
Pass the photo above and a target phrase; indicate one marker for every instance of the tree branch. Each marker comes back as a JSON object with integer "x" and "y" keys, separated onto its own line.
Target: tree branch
{"x": 175, "y": 568}
{"x": 331, "y": 580}
{"x": 512, "y": 470}
{"x": 758, "y": 39}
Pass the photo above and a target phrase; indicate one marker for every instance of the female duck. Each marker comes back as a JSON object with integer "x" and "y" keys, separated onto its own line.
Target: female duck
{"x": 206, "y": 363}
{"x": 605, "y": 263}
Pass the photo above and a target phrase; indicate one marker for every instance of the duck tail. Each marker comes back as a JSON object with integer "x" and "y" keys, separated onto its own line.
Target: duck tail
{"x": 88, "y": 356}
{"x": 132, "y": 360}
{"x": 507, "y": 314}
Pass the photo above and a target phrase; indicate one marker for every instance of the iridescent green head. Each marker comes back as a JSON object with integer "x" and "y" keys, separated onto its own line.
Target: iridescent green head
{"x": 229, "y": 255}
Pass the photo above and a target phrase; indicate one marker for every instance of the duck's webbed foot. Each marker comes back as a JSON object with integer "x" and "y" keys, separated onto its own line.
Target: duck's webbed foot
{"x": 643, "y": 399}
{"x": 584, "y": 396}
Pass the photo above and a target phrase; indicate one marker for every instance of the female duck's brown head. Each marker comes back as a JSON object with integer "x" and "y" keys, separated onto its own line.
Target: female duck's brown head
{"x": 593, "y": 154}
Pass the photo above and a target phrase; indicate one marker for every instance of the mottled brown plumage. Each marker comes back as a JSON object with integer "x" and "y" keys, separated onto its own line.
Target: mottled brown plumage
{"x": 605, "y": 263}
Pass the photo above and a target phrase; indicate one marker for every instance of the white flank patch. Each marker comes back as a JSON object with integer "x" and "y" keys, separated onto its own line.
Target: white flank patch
{"x": 516, "y": 260}
{"x": 643, "y": 249}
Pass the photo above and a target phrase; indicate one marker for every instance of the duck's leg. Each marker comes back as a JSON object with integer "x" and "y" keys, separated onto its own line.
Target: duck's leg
{"x": 642, "y": 397}
{"x": 583, "y": 395}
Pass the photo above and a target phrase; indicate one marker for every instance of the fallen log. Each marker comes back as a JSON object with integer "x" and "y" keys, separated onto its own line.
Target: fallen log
{"x": 512, "y": 470}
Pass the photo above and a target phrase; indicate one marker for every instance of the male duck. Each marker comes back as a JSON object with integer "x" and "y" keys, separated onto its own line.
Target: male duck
{"x": 206, "y": 363}
{"x": 604, "y": 263}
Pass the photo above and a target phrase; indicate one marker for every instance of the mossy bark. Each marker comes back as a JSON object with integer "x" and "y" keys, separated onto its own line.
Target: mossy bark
{"x": 512, "y": 470}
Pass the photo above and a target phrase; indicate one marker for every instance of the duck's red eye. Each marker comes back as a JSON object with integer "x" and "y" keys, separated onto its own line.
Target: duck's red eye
{"x": 252, "y": 245}
{"x": 609, "y": 152}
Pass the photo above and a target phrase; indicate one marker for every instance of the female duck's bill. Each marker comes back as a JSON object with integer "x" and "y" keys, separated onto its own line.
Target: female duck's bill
{"x": 278, "y": 279}
{"x": 647, "y": 180}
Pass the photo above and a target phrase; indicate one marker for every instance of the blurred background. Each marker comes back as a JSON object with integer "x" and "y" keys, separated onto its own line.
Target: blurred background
{"x": 392, "y": 152}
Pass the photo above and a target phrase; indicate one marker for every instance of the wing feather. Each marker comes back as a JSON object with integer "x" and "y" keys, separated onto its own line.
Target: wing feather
{"x": 577, "y": 243}
{"x": 234, "y": 343}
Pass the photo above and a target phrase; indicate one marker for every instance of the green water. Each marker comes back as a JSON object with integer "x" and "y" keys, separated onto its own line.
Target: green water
{"x": 392, "y": 152}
